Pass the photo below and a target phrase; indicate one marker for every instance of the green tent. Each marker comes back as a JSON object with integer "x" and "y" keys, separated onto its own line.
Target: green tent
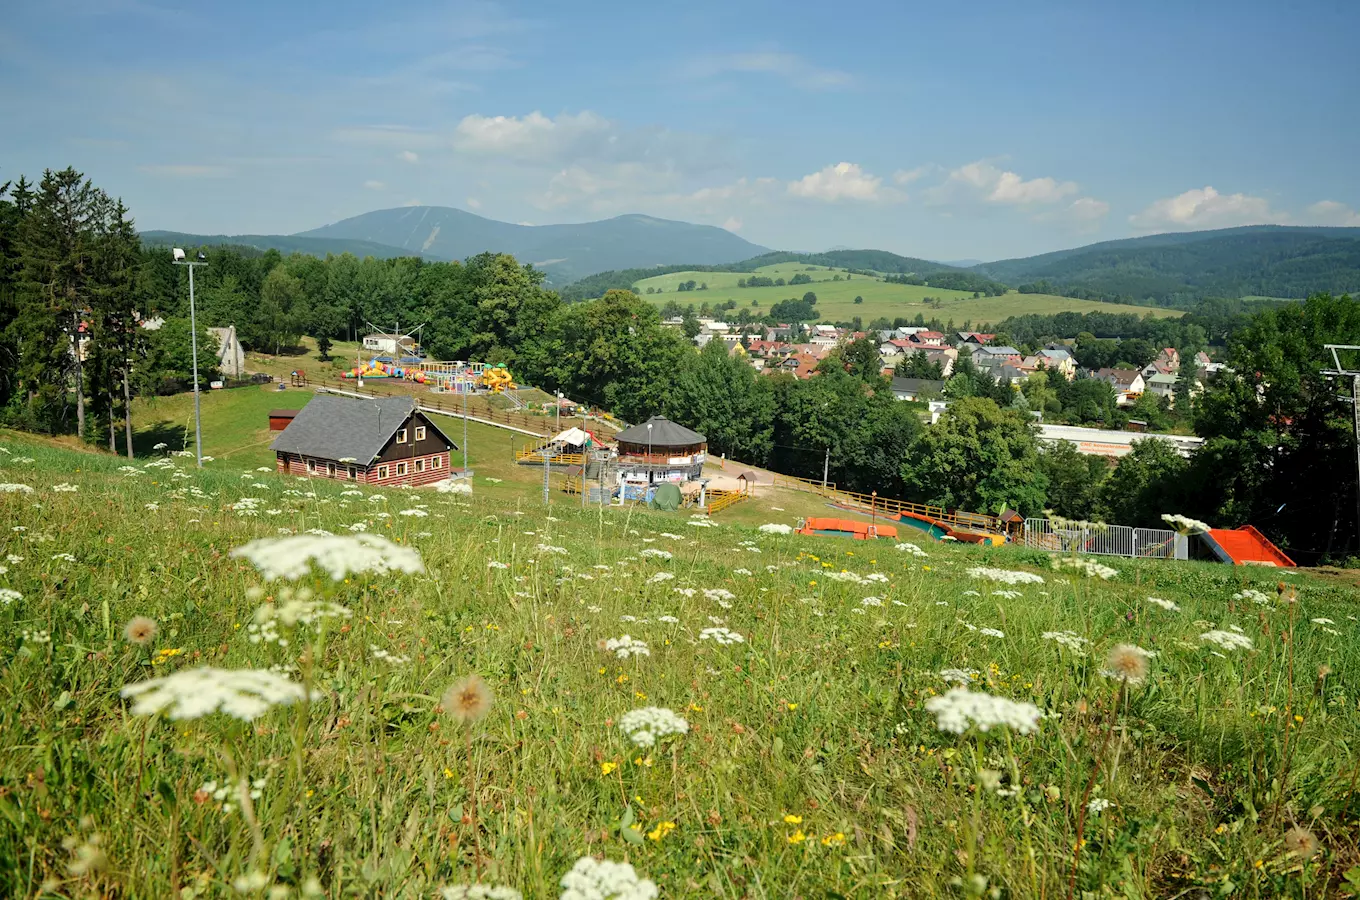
{"x": 667, "y": 496}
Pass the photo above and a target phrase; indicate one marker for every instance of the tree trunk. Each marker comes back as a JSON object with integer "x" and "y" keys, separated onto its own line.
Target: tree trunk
{"x": 80, "y": 381}
{"x": 113, "y": 431}
{"x": 127, "y": 411}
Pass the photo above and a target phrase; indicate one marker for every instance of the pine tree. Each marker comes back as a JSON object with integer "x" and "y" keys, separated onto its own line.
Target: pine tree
{"x": 56, "y": 255}
{"x": 115, "y": 319}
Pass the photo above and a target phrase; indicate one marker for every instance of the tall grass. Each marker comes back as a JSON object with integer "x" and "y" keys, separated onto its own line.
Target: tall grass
{"x": 811, "y": 766}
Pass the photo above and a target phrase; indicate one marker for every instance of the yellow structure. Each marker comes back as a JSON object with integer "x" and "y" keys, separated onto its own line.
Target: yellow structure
{"x": 498, "y": 379}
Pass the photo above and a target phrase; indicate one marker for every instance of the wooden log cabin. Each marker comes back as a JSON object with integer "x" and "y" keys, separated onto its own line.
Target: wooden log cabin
{"x": 379, "y": 441}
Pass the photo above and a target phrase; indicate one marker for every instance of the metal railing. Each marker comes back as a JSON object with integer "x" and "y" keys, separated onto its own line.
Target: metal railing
{"x": 1105, "y": 540}
{"x": 890, "y": 506}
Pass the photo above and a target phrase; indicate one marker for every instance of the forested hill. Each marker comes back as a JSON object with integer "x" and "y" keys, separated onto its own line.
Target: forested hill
{"x": 1176, "y": 269}
{"x": 284, "y": 243}
{"x": 564, "y": 252}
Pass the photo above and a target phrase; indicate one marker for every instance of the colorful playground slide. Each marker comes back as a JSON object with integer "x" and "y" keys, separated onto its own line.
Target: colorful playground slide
{"x": 941, "y": 529}
{"x": 859, "y": 531}
{"x": 1245, "y": 546}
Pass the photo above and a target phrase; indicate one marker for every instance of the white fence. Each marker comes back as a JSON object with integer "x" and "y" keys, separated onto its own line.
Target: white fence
{"x": 1106, "y": 540}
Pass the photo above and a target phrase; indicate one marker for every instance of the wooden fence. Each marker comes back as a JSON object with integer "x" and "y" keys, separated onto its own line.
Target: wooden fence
{"x": 891, "y": 507}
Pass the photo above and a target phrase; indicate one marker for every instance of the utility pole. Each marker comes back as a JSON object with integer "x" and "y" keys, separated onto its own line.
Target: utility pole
{"x": 826, "y": 468}
{"x": 1340, "y": 371}
{"x": 202, "y": 260}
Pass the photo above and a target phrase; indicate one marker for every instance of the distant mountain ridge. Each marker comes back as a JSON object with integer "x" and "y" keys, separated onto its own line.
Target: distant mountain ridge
{"x": 284, "y": 243}
{"x": 1256, "y": 260}
{"x": 565, "y": 252}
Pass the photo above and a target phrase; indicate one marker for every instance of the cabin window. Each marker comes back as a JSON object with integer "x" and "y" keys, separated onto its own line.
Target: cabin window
{"x": 420, "y": 432}
{"x": 382, "y": 471}
{"x": 435, "y": 463}
{"x": 311, "y": 466}
{"x": 420, "y": 466}
{"x": 330, "y": 470}
{"x": 350, "y": 473}
{"x": 401, "y": 436}
{"x": 401, "y": 468}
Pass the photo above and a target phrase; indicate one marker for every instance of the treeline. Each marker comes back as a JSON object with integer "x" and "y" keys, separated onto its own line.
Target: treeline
{"x": 953, "y": 281}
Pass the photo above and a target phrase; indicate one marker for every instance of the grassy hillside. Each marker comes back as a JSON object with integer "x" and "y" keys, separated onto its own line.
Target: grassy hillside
{"x": 823, "y": 752}
{"x": 835, "y": 299}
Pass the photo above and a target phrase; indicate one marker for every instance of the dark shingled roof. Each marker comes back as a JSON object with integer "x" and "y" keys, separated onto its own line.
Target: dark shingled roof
{"x": 665, "y": 433}
{"x": 331, "y": 427}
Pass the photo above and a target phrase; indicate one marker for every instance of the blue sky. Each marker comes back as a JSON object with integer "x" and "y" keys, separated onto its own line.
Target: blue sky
{"x": 980, "y": 130}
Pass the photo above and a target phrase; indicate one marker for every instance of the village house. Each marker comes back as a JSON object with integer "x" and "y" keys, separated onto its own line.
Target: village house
{"x": 378, "y": 441}
{"x": 896, "y": 347}
{"x": 1060, "y": 361}
{"x": 916, "y": 388}
{"x": 1128, "y": 384}
{"x": 984, "y": 356}
{"x": 1162, "y": 385}
{"x": 926, "y": 339}
{"x": 975, "y": 337}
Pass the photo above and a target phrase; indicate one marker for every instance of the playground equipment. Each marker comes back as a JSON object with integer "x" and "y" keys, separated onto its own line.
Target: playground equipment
{"x": 497, "y": 379}
{"x": 378, "y": 369}
{"x": 859, "y": 531}
{"x": 971, "y": 528}
{"x": 1245, "y": 546}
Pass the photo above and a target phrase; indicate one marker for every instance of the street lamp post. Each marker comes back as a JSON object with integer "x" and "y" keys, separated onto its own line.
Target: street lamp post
{"x": 467, "y": 385}
{"x": 649, "y": 452}
{"x": 202, "y": 260}
{"x": 558, "y": 430}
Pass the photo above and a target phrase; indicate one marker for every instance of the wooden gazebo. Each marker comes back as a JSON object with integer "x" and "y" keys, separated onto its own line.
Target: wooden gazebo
{"x": 661, "y": 450}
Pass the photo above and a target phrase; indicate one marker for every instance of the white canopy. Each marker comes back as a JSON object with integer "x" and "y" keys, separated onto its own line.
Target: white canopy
{"x": 574, "y": 436}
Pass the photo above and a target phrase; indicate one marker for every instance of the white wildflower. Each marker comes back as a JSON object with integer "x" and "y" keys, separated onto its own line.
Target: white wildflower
{"x": 669, "y": 620}
{"x": 64, "y": 557}
{"x": 1087, "y": 567}
{"x": 719, "y": 594}
{"x": 387, "y": 657}
{"x": 1228, "y": 640}
{"x": 656, "y": 553}
{"x": 775, "y": 528}
{"x": 959, "y": 676}
{"x": 1322, "y": 621}
{"x": 1008, "y": 595}
{"x": 626, "y": 646}
{"x": 721, "y": 636}
{"x": 15, "y": 489}
{"x": 549, "y": 548}
{"x": 650, "y": 724}
{"x": 1098, "y": 805}
{"x": 414, "y": 513}
{"x": 1167, "y": 605}
{"x": 65, "y": 488}
{"x": 478, "y": 892}
{"x": 1069, "y": 639}
{"x": 1185, "y": 524}
{"x": 741, "y": 571}
{"x": 908, "y": 547}
{"x": 243, "y": 694}
{"x": 958, "y": 709}
{"x": 357, "y": 527}
{"x": 338, "y": 556}
{"x": 592, "y": 879}
{"x": 1005, "y": 576}
{"x": 871, "y": 601}
{"x": 495, "y": 564}
{"x": 9, "y": 595}
{"x": 455, "y": 487}
{"x": 1254, "y": 596}
{"x": 660, "y": 577}
{"x": 160, "y": 446}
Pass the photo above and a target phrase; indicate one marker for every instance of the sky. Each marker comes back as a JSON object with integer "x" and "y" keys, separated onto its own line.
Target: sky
{"x": 980, "y": 130}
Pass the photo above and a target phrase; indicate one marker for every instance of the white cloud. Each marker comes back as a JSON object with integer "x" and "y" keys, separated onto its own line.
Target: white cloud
{"x": 733, "y": 223}
{"x": 409, "y": 156}
{"x": 533, "y": 137}
{"x": 1087, "y": 209}
{"x": 1206, "y": 208}
{"x": 374, "y": 185}
{"x": 473, "y": 203}
{"x": 186, "y": 171}
{"x": 907, "y": 176}
{"x": 982, "y": 180}
{"x": 1330, "y": 212}
{"x": 791, "y": 67}
{"x": 843, "y": 181}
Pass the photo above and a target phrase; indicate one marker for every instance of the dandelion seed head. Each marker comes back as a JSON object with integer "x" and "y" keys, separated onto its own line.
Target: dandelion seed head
{"x": 1127, "y": 663}
{"x": 1301, "y": 842}
{"x": 469, "y": 699}
{"x": 140, "y": 630}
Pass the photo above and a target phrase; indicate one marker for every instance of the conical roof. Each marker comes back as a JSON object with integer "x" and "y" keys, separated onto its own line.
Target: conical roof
{"x": 664, "y": 433}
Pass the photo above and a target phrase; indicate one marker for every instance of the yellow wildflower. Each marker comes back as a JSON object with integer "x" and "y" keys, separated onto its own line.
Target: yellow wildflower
{"x": 661, "y": 830}
{"x": 793, "y": 820}
{"x": 797, "y": 837}
{"x": 608, "y": 766}
{"x": 834, "y": 840}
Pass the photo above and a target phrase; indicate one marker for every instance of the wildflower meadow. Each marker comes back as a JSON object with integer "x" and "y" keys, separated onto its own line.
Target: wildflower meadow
{"x": 225, "y": 683}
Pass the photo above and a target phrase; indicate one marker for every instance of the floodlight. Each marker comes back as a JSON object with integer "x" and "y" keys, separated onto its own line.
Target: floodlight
{"x": 178, "y": 254}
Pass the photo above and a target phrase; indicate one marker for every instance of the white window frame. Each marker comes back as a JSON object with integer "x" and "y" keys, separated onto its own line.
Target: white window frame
{"x": 420, "y": 466}
{"x": 310, "y": 464}
{"x": 330, "y": 470}
{"x": 401, "y": 435}
{"x": 420, "y": 432}
{"x": 350, "y": 473}
{"x": 436, "y": 463}
{"x": 401, "y": 469}
{"x": 382, "y": 472}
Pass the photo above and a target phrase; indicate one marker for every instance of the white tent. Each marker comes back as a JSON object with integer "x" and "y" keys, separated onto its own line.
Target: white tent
{"x": 573, "y": 436}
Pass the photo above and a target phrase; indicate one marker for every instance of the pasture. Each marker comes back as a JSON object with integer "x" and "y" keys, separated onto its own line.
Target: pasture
{"x": 190, "y": 713}
{"x": 836, "y": 299}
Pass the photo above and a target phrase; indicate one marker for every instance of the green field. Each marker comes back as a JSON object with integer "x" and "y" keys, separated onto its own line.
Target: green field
{"x": 823, "y": 753}
{"x": 835, "y": 299}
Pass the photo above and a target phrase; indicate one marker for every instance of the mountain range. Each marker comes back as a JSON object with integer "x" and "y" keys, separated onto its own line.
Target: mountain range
{"x": 1167, "y": 269}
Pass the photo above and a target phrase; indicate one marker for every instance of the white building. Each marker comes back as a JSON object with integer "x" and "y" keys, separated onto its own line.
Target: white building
{"x": 231, "y": 359}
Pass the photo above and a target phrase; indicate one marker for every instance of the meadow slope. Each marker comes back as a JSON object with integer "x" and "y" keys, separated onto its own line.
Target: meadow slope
{"x": 836, "y": 299}
{"x": 813, "y": 764}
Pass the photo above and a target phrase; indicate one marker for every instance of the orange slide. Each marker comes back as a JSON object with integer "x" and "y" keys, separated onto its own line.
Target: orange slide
{"x": 1245, "y": 546}
{"x": 860, "y": 531}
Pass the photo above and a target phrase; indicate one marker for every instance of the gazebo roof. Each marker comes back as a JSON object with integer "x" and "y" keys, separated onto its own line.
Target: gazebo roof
{"x": 664, "y": 433}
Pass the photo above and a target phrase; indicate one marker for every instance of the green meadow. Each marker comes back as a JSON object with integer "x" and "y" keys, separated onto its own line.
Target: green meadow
{"x": 836, "y": 299}
{"x": 224, "y": 683}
